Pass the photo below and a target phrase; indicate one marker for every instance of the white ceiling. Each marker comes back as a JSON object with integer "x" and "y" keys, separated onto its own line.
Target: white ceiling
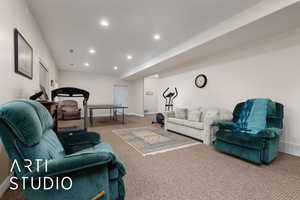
{"x": 70, "y": 24}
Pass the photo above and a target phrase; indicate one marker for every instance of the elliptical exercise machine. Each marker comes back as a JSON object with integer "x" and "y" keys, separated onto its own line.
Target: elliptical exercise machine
{"x": 169, "y": 100}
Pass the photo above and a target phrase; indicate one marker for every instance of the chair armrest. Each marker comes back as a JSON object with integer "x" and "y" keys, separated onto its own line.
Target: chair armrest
{"x": 225, "y": 125}
{"x": 270, "y": 133}
{"x": 73, "y": 142}
{"x": 169, "y": 114}
{"x": 70, "y": 164}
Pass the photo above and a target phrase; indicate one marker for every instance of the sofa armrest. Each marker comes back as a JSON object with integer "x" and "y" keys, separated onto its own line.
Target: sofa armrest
{"x": 169, "y": 114}
{"x": 212, "y": 118}
{"x": 270, "y": 133}
{"x": 71, "y": 163}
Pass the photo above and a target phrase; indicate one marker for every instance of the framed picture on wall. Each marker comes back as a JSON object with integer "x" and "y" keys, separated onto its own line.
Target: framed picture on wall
{"x": 23, "y": 55}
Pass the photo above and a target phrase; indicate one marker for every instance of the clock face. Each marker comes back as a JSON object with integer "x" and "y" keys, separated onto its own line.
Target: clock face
{"x": 201, "y": 81}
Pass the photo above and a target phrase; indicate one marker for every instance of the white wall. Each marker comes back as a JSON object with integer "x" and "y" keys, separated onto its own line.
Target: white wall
{"x": 267, "y": 69}
{"x": 15, "y": 14}
{"x": 101, "y": 87}
{"x": 136, "y": 97}
{"x": 150, "y": 101}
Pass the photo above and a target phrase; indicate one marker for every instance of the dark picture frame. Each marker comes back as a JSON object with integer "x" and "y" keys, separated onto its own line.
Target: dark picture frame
{"x": 23, "y": 55}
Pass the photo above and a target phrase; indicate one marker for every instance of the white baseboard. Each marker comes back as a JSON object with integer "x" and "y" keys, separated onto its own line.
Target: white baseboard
{"x": 289, "y": 148}
{"x": 4, "y": 186}
{"x": 151, "y": 113}
{"x": 135, "y": 114}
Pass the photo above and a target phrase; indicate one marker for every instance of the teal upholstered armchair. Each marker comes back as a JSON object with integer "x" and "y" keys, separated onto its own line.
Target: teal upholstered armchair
{"x": 26, "y": 132}
{"x": 258, "y": 147}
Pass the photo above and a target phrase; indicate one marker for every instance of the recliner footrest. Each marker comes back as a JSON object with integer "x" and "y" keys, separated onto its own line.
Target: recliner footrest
{"x": 241, "y": 139}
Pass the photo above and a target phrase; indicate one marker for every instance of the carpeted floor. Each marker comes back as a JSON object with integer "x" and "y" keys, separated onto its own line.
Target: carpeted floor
{"x": 197, "y": 173}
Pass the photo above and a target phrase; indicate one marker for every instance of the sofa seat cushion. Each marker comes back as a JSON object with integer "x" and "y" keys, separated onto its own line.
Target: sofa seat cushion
{"x": 186, "y": 123}
{"x": 176, "y": 121}
{"x": 196, "y": 125}
{"x": 240, "y": 139}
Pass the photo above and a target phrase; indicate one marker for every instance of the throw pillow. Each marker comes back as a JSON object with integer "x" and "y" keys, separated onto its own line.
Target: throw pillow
{"x": 181, "y": 113}
{"x": 194, "y": 115}
{"x": 211, "y": 111}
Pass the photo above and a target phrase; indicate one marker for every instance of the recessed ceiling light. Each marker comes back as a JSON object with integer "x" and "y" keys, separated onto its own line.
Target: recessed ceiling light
{"x": 156, "y": 37}
{"x": 92, "y": 51}
{"x": 129, "y": 57}
{"x": 115, "y": 68}
{"x": 86, "y": 64}
{"x": 104, "y": 23}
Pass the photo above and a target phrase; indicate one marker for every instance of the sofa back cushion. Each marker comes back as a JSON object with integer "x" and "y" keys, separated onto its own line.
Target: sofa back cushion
{"x": 194, "y": 115}
{"x": 181, "y": 113}
{"x": 210, "y": 111}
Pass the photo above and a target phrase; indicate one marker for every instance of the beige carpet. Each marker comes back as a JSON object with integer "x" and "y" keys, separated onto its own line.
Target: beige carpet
{"x": 198, "y": 173}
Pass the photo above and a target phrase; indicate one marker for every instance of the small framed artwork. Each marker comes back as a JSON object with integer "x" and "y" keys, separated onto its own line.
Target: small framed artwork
{"x": 23, "y": 55}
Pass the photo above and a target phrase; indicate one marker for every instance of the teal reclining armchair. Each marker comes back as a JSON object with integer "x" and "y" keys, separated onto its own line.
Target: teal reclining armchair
{"x": 259, "y": 146}
{"x": 94, "y": 170}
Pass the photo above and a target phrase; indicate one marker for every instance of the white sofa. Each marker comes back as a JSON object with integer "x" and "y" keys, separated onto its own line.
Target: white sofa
{"x": 200, "y": 128}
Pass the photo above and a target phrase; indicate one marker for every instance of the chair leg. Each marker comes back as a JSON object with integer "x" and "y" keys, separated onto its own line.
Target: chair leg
{"x": 98, "y": 196}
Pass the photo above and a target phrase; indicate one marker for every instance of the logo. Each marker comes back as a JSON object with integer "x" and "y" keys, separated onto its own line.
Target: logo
{"x": 33, "y": 169}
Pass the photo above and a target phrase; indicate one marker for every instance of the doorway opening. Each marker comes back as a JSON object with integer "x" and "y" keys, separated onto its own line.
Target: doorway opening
{"x": 151, "y": 94}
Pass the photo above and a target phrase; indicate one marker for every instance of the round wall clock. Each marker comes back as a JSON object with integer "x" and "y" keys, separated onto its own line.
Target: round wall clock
{"x": 201, "y": 81}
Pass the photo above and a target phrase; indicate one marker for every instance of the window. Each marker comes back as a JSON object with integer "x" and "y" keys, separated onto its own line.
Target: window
{"x": 44, "y": 77}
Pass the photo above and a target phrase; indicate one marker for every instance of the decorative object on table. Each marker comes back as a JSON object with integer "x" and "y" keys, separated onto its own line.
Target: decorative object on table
{"x": 149, "y": 93}
{"x": 153, "y": 140}
{"x": 254, "y": 133}
{"x": 201, "y": 81}
{"x": 196, "y": 123}
{"x": 23, "y": 55}
{"x": 41, "y": 95}
{"x": 45, "y": 95}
